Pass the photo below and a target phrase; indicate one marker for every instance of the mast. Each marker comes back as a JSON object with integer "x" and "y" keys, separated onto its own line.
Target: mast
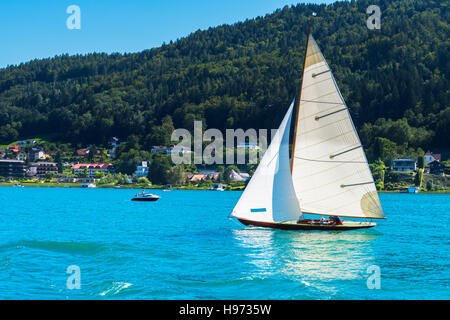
{"x": 297, "y": 103}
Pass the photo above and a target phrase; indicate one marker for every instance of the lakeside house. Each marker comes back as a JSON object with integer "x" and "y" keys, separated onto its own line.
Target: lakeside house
{"x": 35, "y": 154}
{"x": 180, "y": 149}
{"x": 199, "y": 177}
{"x": 234, "y": 176}
{"x": 219, "y": 186}
{"x": 142, "y": 170}
{"x": 437, "y": 168}
{"x": 430, "y": 157}
{"x": 413, "y": 189}
{"x": 161, "y": 149}
{"x": 26, "y": 142}
{"x": 170, "y": 150}
{"x": 82, "y": 152}
{"x": 21, "y": 156}
{"x": 404, "y": 165}
{"x": 203, "y": 176}
{"x": 40, "y": 169}
{"x": 14, "y": 149}
{"x": 210, "y": 174}
{"x": 245, "y": 175}
{"x": 92, "y": 168}
{"x": 248, "y": 146}
{"x": 12, "y": 168}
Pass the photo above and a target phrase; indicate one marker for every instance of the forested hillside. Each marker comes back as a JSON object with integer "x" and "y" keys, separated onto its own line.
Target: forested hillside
{"x": 395, "y": 80}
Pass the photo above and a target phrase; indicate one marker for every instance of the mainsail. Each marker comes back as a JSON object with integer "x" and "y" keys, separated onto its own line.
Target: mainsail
{"x": 270, "y": 195}
{"x": 330, "y": 172}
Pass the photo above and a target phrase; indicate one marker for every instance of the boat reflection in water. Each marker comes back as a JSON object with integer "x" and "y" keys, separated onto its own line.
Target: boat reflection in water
{"x": 317, "y": 259}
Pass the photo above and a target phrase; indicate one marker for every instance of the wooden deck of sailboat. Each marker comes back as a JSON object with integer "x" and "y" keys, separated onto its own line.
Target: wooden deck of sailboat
{"x": 309, "y": 225}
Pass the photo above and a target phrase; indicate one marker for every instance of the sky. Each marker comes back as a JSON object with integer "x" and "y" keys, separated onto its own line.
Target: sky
{"x": 35, "y": 29}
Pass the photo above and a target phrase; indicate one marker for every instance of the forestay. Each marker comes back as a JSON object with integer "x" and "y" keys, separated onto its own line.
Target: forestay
{"x": 270, "y": 195}
{"x": 330, "y": 172}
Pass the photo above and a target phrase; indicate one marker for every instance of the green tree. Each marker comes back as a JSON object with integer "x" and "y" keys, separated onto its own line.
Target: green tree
{"x": 159, "y": 169}
{"x": 50, "y": 175}
{"x": 58, "y": 160}
{"x": 418, "y": 179}
{"x": 383, "y": 149}
{"x": 421, "y": 161}
{"x": 378, "y": 171}
{"x": 99, "y": 175}
{"x": 176, "y": 175}
{"x": 83, "y": 173}
{"x": 227, "y": 172}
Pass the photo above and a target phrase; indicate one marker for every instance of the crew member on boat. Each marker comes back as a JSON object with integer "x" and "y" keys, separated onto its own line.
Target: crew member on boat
{"x": 335, "y": 220}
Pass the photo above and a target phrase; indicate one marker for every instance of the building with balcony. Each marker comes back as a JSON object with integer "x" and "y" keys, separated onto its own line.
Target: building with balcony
{"x": 12, "y": 168}
{"x": 142, "y": 170}
{"x": 92, "y": 168}
{"x": 404, "y": 165}
{"x": 40, "y": 169}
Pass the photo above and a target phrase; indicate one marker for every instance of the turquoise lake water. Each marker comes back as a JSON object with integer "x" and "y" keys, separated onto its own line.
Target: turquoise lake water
{"x": 185, "y": 247}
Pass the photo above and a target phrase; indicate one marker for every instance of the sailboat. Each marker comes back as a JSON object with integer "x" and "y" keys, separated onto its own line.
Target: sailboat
{"x": 327, "y": 174}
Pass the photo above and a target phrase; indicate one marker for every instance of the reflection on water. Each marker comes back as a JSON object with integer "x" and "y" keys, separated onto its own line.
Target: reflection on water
{"x": 308, "y": 256}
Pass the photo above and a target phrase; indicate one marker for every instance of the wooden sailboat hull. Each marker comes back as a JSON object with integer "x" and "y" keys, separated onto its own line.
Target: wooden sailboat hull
{"x": 307, "y": 225}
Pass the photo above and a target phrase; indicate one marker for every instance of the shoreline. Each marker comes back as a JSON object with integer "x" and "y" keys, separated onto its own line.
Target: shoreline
{"x": 141, "y": 187}
{"x": 131, "y": 187}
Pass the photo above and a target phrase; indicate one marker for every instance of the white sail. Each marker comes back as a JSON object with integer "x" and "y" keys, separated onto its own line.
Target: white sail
{"x": 270, "y": 195}
{"x": 330, "y": 171}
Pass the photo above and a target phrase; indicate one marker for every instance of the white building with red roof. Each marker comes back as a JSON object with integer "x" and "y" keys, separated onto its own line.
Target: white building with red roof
{"x": 430, "y": 157}
{"x": 92, "y": 168}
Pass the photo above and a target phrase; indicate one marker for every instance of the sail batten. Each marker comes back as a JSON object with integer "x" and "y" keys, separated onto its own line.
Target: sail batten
{"x": 327, "y": 150}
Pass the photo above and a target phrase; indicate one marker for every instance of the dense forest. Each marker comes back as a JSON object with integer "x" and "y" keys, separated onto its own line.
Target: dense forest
{"x": 395, "y": 80}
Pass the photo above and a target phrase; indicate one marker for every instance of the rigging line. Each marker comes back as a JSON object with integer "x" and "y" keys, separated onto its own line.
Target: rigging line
{"x": 311, "y": 68}
{"x": 325, "y": 125}
{"x": 316, "y": 83}
{"x": 335, "y": 167}
{"x": 311, "y": 115}
{"x": 317, "y": 74}
{"x": 325, "y": 102}
{"x": 327, "y": 140}
{"x": 314, "y": 160}
{"x": 338, "y": 154}
{"x": 324, "y": 95}
{"x": 268, "y": 163}
{"x": 327, "y": 197}
{"x": 329, "y": 183}
{"x": 355, "y": 184}
{"x": 317, "y": 118}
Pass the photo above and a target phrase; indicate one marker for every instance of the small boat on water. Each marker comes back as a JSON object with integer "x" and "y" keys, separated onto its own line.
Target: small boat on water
{"x": 327, "y": 174}
{"x": 88, "y": 185}
{"x": 145, "y": 197}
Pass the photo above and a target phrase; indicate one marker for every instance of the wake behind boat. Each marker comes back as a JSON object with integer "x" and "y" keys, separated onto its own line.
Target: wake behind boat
{"x": 328, "y": 173}
{"x": 145, "y": 197}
